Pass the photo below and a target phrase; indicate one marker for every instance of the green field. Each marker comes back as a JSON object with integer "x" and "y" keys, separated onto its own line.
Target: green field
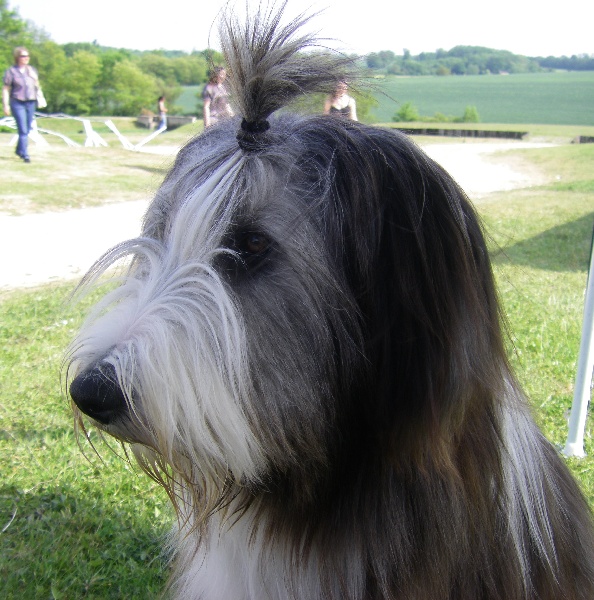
{"x": 561, "y": 98}
{"x": 188, "y": 100}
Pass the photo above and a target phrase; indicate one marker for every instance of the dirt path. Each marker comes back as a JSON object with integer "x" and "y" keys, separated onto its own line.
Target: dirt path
{"x": 480, "y": 171}
{"x": 45, "y": 247}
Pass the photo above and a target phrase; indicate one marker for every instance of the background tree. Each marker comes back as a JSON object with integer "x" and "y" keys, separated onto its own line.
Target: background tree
{"x": 81, "y": 71}
{"x": 132, "y": 89}
{"x": 471, "y": 115}
{"x": 104, "y": 91}
{"x": 213, "y": 58}
{"x": 50, "y": 61}
{"x": 13, "y": 32}
{"x": 191, "y": 69}
{"x": 159, "y": 66}
{"x": 71, "y": 48}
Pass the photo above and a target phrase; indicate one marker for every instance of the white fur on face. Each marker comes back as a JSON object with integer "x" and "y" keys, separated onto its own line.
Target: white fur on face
{"x": 177, "y": 343}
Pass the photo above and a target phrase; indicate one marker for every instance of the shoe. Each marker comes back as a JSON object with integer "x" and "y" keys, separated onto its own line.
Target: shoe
{"x": 26, "y": 159}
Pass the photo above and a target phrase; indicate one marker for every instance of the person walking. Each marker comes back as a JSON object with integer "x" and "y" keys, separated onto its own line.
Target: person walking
{"x": 162, "y": 112}
{"x": 19, "y": 97}
{"x": 216, "y": 98}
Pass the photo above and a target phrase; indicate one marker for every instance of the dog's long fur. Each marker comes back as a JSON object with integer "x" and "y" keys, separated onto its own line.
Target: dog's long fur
{"x": 307, "y": 354}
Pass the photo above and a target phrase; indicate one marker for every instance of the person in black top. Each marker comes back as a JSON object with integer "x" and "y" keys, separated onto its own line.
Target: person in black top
{"x": 340, "y": 103}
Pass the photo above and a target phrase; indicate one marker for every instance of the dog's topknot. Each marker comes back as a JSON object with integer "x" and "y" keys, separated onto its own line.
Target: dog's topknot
{"x": 269, "y": 68}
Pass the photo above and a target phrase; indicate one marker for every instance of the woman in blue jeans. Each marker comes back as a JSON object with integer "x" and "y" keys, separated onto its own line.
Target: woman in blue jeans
{"x": 19, "y": 96}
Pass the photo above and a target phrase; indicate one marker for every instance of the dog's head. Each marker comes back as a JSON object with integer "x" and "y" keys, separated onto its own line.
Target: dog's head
{"x": 306, "y": 290}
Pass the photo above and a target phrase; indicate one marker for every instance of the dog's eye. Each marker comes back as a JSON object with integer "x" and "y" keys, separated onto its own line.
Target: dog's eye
{"x": 249, "y": 250}
{"x": 255, "y": 243}
{"x": 252, "y": 244}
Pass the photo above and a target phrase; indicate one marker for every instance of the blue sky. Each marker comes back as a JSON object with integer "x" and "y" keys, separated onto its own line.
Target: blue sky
{"x": 521, "y": 26}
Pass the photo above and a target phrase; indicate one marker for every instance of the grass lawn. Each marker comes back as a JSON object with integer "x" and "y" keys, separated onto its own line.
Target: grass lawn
{"x": 89, "y": 527}
{"x": 73, "y": 528}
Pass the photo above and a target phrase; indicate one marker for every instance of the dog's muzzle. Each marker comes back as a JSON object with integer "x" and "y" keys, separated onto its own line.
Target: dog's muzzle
{"x": 97, "y": 394}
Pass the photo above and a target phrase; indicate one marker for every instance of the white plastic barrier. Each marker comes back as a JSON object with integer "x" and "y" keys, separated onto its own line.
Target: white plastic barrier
{"x": 150, "y": 137}
{"x": 35, "y": 133}
{"x": 122, "y": 138}
{"x": 66, "y": 139}
{"x": 93, "y": 138}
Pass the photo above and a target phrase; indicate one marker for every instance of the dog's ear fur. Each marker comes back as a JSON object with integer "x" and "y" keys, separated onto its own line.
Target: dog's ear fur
{"x": 416, "y": 260}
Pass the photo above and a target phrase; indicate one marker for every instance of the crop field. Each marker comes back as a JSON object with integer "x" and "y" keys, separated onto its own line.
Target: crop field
{"x": 560, "y": 98}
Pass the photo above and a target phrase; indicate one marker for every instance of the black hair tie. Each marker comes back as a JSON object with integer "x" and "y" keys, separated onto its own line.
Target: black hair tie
{"x": 255, "y": 126}
{"x": 250, "y": 137}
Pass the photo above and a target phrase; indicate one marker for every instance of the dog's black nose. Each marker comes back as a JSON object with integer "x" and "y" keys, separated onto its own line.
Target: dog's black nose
{"x": 97, "y": 393}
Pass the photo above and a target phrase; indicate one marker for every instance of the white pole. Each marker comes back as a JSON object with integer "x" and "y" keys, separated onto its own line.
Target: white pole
{"x": 583, "y": 380}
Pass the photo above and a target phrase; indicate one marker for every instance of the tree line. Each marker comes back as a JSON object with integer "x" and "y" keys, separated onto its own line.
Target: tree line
{"x": 568, "y": 63}
{"x": 471, "y": 60}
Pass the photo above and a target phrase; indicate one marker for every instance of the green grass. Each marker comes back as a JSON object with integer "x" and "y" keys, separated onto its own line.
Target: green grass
{"x": 562, "y": 98}
{"x": 82, "y": 177}
{"x": 541, "y": 247}
{"x": 77, "y": 527}
{"x": 74, "y": 528}
{"x": 572, "y": 166}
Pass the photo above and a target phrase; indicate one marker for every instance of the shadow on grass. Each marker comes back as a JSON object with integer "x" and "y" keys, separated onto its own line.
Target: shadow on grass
{"x": 59, "y": 543}
{"x": 153, "y": 170}
{"x": 565, "y": 247}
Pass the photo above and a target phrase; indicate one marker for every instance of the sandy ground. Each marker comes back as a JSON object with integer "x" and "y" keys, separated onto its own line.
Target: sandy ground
{"x": 45, "y": 247}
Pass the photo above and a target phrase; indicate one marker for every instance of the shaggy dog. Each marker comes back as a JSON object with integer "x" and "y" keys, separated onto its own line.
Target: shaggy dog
{"x": 306, "y": 352}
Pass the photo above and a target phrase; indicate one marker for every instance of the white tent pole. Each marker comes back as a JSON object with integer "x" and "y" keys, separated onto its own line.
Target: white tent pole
{"x": 581, "y": 397}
